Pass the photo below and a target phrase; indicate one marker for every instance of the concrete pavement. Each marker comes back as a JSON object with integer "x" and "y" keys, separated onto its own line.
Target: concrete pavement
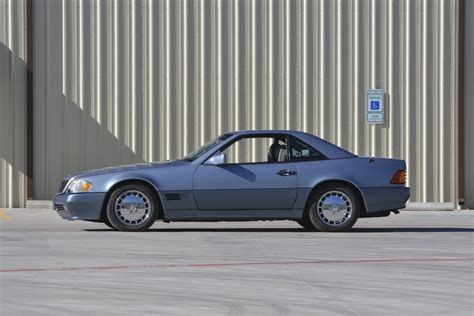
{"x": 411, "y": 263}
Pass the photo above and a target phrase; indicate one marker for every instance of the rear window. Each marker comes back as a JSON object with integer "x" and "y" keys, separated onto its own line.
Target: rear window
{"x": 300, "y": 151}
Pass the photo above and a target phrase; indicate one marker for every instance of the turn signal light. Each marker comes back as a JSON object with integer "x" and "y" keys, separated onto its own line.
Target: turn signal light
{"x": 86, "y": 186}
{"x": 400, "y": 177}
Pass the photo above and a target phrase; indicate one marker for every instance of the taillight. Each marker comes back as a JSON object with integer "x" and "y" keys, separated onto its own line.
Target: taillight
{"x": 400, "y": 177}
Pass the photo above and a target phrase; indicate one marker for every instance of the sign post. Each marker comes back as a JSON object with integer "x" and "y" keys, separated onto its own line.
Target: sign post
{"x": 375, "y": 106}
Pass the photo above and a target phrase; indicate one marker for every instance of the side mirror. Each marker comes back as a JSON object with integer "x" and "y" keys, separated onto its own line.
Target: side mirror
{"x": 217, "y": 159}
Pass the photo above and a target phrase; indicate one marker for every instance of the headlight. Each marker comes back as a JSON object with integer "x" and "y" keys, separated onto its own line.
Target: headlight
{"x": 79, "y": 185}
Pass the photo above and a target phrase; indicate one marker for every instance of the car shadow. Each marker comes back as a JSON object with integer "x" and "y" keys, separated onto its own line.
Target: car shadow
{"x": 411, "y": 229}
{"x": 302, "y": 230}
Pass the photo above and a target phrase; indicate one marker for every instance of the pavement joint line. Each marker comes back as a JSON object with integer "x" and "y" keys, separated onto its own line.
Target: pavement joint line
{"x": 239, "y": 264}
{"x": 298, "y": 279}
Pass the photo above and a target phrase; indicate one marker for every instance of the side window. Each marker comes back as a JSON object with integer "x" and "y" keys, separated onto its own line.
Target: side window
{"x": 302, "y": 152}
{"x": 257, "y": 150}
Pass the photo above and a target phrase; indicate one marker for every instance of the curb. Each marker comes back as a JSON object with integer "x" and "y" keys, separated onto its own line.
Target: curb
{"x": 39, "y": 205}
{"x": 429, "y": 207}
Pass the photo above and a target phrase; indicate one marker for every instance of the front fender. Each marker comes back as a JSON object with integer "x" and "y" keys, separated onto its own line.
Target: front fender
{"x": 104, "y": 183}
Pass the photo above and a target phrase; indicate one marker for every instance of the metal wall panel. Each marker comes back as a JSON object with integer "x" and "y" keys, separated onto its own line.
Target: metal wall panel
{"x": 469, "y": 103}
{"x": 127, "y": 81}
{"x": 12, "y": 103}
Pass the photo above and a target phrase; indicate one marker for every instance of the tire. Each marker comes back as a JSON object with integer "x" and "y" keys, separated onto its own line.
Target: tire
{"x": 106, "y": 222}
{"x": 132, "y": 207}
{"x": 333, "y": 208}
{"x": 305, "y": 224}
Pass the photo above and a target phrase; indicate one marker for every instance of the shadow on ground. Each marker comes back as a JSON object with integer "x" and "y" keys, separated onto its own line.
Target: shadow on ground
{"x": 302, "y": 230}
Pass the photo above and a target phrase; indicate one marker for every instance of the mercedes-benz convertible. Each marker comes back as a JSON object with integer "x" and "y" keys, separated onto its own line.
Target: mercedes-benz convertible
{"x": 241, "y": 176}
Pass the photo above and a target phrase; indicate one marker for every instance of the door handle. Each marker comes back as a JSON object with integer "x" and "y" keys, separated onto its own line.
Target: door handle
{"x": 285, "y": 173}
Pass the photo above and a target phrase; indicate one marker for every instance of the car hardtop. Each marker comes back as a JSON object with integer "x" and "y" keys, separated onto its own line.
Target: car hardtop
{"x": 328, "y": 149}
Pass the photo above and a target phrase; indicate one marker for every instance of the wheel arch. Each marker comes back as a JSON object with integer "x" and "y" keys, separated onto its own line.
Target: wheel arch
{"x": 348, "y": 183}
{"x": 124, "y": 182}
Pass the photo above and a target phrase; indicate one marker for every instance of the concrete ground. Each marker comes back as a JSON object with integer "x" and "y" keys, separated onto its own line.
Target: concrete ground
{"x": 411, "y": 263}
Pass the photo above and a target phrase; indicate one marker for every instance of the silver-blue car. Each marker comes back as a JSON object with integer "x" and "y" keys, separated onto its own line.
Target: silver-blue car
{"x": 241, "y": 176}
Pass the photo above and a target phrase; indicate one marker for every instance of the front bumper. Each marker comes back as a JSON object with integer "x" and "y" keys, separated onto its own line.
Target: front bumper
{"x": 79, "y": 206}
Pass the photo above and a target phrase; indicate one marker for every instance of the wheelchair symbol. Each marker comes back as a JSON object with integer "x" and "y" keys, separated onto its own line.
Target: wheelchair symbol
{"x": 375, "y": 105}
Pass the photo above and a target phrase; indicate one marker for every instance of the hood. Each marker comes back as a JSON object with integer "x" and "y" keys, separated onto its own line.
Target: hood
{"x": 138, "y": 166}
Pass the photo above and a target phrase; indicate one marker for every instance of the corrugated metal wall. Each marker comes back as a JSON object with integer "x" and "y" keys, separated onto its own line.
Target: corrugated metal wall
{"x": 124, "y": 81}
{"x": 12, "y": 103}
{"x": 469, "y": 102}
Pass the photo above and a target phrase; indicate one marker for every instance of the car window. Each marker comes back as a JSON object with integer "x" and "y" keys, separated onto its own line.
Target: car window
{"x": 201, "y": 150}
{"x": 257, "y": 150}
{"x": 301, "y": 152}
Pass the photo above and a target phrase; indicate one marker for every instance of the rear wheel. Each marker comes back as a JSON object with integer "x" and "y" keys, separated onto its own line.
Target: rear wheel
{"x": 333, "y": 208}
{"x": 106, "y": 222}
{"x": 132, "y": 208}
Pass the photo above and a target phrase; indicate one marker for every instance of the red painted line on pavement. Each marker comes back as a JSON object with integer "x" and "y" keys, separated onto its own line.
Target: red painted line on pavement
{"x": 239, "y": 264}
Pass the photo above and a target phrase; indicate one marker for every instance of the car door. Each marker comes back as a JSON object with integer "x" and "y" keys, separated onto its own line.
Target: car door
{"x": 247, "y": 183}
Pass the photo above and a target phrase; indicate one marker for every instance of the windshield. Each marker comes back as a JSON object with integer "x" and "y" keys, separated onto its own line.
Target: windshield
{"x": 201, "y": 150}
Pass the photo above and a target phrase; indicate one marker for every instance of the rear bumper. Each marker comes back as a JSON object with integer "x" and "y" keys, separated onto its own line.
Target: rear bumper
{"x": 81, "y": 206}
{"x": 386, "y": 198}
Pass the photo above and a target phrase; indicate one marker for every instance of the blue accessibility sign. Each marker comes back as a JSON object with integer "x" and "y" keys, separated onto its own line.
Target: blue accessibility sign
{"x": 375, "y": 105}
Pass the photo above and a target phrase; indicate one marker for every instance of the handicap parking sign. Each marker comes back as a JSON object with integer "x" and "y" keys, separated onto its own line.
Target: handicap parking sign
{"x": 375, "y": 105}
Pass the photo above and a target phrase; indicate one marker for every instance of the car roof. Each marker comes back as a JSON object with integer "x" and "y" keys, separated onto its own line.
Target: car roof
{"x": 328, "y": 149}
{"x": 266, "y": 131}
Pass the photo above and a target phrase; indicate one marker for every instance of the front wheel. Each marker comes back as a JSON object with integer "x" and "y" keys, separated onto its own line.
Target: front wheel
{"x": 333, "y": 208}
{"x": 305, "y": 223}
{"x": 132, "y": 208}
